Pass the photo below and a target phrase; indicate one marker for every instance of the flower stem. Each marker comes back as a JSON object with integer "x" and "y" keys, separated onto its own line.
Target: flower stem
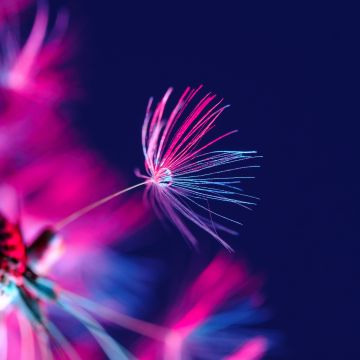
{"x": 77, "y": 214}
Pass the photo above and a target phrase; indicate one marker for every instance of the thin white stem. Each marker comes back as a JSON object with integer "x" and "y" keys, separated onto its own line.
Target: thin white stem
{"x": 77, "y": 214}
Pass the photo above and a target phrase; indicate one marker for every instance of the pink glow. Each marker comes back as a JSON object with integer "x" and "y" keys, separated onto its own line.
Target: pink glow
{"x": 50, "y": 187}
{"x": 32, "y": 69}
{"x": 221, "y": 281}
{"x": 253, "y": 349}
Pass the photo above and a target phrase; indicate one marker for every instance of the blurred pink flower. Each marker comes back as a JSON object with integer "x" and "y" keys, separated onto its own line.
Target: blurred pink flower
{"x": 213, "y": 319}
{"x": 49, "y": 187}
{"x": 36, "y": 68}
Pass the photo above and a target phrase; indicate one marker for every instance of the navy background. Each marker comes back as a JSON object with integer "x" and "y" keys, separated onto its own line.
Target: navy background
{"x": 270, "y": 65}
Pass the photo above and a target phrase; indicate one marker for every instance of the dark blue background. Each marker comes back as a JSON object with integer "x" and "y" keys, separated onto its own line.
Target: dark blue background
{"x": 271, "y": 65}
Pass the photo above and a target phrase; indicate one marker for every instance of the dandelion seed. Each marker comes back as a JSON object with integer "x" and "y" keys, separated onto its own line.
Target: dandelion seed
{"x": 182, "y": 176}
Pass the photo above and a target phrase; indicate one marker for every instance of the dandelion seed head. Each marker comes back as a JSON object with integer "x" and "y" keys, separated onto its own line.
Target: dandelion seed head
{"x": 183, "y": 175}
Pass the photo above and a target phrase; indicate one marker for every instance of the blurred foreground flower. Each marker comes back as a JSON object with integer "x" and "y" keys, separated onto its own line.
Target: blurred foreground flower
{"x": 215, "y": 318}
{"x": 26, "y": 291}
{"x": 53, "y": 175}
{"x": 36, "y": 77}
{"x": 35, "y": 68}
{"x": 53, "y": 180}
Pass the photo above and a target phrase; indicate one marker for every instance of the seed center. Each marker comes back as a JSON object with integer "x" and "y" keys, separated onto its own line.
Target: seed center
{"x": 163, "y": 177}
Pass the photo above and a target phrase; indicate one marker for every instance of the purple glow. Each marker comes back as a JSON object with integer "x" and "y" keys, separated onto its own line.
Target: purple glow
{"x": 32, "y": 68}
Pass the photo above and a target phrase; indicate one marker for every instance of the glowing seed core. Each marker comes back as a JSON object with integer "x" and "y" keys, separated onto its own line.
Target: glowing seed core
{"x": 163, "y": 177}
